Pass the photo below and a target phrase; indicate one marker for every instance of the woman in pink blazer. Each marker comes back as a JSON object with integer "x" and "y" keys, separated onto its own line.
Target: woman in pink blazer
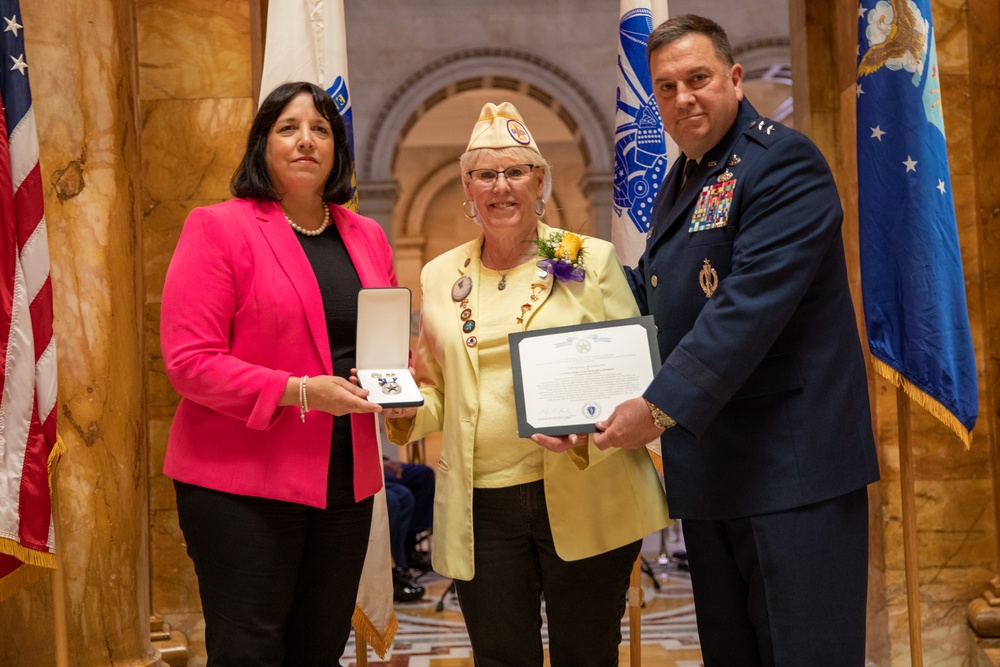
{"x": 273, "y": 450}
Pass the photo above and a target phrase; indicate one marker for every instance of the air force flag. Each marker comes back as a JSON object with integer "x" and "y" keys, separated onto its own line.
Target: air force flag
{"x": 640, "y": 144}
{"x": 911, "y": 264}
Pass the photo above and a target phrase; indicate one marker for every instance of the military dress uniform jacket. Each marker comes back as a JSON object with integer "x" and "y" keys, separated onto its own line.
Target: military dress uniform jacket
{"x": 744, "y": 274}
{"x": 597, "y": 500}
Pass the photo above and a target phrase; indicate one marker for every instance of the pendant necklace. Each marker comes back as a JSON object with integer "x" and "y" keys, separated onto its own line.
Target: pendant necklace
{"x": 502, "y": 285}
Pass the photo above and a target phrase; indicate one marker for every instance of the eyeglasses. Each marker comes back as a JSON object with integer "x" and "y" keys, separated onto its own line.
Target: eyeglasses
{"x": 513, "y": 174}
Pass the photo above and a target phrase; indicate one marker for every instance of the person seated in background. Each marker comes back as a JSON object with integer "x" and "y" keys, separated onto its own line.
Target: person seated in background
{"x": 409, "y": 496}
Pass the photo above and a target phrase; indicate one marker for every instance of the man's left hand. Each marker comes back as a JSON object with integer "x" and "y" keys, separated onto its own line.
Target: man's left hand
{"x": 630, "y": 426}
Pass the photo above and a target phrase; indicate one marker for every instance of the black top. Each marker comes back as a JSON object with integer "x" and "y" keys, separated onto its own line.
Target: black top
{"x": 338, "y": 285}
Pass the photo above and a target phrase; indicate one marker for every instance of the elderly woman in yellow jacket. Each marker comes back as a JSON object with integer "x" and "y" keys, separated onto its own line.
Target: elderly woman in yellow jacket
{"x": 514, "y": 521}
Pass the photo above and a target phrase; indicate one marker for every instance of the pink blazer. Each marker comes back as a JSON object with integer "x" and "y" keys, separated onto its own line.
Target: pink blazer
{"x": 241, "y": 313}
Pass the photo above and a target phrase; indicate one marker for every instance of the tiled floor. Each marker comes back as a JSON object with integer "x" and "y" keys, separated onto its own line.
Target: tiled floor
{"x": 431, "y": 638}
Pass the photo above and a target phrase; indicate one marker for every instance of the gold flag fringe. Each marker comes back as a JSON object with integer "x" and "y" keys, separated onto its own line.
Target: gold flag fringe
{"x": 21, "y": 577}
{"x": 57, "y": 452}
{"x": 364, "y": 628}
{"x": 924, "y": 400}
{"x": 36, "y": 563}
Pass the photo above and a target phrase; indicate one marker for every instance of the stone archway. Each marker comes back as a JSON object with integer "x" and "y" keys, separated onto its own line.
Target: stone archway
{"x": 475, "y": 68}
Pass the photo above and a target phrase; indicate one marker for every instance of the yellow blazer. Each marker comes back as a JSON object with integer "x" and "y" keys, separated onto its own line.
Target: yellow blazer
{"x": 597, "y": 500}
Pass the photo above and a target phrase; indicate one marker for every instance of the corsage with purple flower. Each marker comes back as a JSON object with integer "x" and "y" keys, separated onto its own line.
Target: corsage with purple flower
{"x": 563, "y": 255}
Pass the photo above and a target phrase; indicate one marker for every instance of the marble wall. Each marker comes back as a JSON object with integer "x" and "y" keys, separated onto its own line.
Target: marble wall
{"x": 954, "y": 489}
{"x": 95, "y": 610}
{"x": 196, "y": 105}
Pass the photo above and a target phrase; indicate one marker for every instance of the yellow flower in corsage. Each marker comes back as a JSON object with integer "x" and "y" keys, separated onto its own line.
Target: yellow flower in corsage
{"x": 563, "y": 255}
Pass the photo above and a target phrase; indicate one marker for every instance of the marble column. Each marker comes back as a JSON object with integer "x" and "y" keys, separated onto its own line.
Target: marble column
{"x": 196, "y": 96}
{"x": 82, "y": 63}
{"x": 408, "y": 258}
{"x": 956, "y": 499}
{"x": 599, "y": 187}
{"x": 376, "y": 200}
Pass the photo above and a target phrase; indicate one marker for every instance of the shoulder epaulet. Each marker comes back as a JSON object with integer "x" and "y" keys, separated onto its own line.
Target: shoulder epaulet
{"x": 765, "y": 131}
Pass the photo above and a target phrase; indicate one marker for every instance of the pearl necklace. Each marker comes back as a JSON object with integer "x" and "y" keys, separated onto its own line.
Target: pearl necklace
{"x": 311, "y": 232}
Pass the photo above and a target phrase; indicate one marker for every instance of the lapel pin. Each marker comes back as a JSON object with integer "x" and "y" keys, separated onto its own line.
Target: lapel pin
{"x": 461, "y": 289}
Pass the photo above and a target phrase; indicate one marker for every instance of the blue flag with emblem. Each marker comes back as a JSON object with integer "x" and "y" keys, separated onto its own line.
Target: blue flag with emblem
{"x": 911, "y": 264}
{"x": 640, "y": 143}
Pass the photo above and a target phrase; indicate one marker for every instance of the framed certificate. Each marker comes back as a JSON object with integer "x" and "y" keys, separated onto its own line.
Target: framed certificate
{"x": 568, "y": 378}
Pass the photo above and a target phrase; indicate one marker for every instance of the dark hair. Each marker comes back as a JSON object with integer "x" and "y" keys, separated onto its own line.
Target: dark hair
{"x": 681, "y": 26}
{"x": 252, "y": 180}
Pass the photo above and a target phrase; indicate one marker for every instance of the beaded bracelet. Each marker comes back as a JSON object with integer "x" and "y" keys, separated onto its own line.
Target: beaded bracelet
{"x": 303, "y": 399}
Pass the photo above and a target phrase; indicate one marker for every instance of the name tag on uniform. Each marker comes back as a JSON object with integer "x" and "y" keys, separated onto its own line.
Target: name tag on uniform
{"x": 712, "y": 210}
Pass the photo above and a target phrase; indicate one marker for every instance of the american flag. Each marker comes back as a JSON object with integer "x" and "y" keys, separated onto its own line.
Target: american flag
{"x": 28, "y": 441}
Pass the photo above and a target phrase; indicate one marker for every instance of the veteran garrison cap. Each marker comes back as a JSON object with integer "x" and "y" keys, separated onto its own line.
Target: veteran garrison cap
{"x": 501, "y": 126}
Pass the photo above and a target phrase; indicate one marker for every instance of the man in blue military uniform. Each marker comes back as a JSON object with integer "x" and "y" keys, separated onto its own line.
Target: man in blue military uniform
{"x": 761, "y": 404}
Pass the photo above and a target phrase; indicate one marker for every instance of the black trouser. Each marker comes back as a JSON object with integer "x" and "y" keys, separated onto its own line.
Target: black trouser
{"x": 278, "y": 580}
{"x": 516, "y": 564}
{"x": 783, "y": 589}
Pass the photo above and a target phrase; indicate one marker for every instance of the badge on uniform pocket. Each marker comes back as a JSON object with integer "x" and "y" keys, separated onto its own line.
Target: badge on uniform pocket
{"x": 712, "y": 210}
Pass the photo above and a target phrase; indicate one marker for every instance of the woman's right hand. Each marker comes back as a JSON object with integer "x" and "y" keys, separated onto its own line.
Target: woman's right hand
{"x": 335, "y": 395}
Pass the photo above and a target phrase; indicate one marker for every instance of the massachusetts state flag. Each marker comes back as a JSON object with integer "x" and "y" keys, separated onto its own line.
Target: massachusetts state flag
{"x": 306, "y": 40}
{"x": 29, "y": 448}
{"x": 911, "y": 266}
{"x": 640, "y": 143}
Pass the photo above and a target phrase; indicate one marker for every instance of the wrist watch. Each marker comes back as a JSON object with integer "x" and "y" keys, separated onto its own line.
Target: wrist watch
{"x": 660, "y": 418}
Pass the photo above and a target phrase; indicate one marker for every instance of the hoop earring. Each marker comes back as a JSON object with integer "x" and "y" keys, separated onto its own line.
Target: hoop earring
{"x": 540, "y": 207}
{"x": 469, "y": 209}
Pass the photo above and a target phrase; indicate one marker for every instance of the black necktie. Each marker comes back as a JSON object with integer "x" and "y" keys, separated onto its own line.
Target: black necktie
{"x": 689, "y": 167}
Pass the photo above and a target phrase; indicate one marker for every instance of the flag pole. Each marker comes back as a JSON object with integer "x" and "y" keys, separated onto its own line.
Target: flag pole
{"x": 360, "y": 650}
{"x": 909, "y": 509}
{"x": 635, "y": 614}
{"x": 58, "y": 580}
